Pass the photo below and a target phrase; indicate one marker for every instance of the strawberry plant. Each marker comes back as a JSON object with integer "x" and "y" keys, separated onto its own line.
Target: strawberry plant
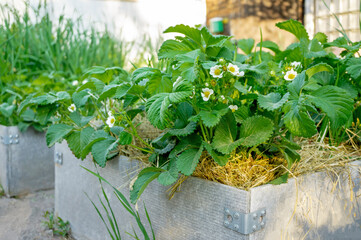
{"x": 213, "y": 100}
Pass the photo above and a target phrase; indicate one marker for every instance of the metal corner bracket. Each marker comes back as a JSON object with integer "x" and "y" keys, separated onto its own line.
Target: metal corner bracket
{"x": 244, "y": 223}
{"x": 58, "y": 158}
{"x": 10, "y": 139}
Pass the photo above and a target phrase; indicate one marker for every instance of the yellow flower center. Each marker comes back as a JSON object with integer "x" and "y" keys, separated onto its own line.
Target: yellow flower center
{"x": 72, "y": 108}
{"x": 112, "y": 120}
{"x": 233, "y": 110}
{"x": 231, "y": 69}
{"x": 291, "y": 76}
{"x": 206, "y": 94}
{"x": 217, "y": 72}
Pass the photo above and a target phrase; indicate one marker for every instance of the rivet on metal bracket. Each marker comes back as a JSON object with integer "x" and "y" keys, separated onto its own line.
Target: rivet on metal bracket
{"x": 245, "y": 223}
{"x": 58, "y": 159}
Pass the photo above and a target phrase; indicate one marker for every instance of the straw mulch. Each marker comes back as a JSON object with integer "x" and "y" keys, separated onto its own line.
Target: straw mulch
{"x": 245, "y": 171}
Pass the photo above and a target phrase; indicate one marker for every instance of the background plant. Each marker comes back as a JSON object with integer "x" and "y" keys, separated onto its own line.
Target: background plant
{"x": 41, "y": 55}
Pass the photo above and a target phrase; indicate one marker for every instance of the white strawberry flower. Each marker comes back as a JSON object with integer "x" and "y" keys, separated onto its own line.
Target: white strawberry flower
{"x": 222, "y": 97}
{"x": 296, "y": 64}
{"x": 72, "y": 108}
{"x": 290, "y": 75}
{"x": 84, "y": 81}
{"x": 234, "y": 69}
{"x": 74, "y": 83}
{"x": 240, "y": 74}
{"x": 206, "y": 93}
{"x": 216, "y": 71}
{"x": 110, "y": 121}
{"x": 233, "y": 107}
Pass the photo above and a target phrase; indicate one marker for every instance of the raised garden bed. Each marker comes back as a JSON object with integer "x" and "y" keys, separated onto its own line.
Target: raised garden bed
{"x": 26, "y": 163}
{"x": 317, "y": 205}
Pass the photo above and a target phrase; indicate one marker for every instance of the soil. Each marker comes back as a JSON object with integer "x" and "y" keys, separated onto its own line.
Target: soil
{"x": 22, "y": 218}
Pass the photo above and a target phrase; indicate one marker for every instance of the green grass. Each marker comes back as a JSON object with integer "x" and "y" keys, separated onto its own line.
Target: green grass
{"x": 30, "y": 46}
{"x": 57, "y": 225}
{"x": 2, "y": 192}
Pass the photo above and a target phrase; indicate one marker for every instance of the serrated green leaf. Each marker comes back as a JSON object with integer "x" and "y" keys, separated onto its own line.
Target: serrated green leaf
{"x": 255, "y": 130}
{"x": 145, "y": 72}
{"x": 242, "y": 113}
{"x": 160, "y": 84}
{"x": 102, "y": 73}
{"x": 97, "y": 136}
{"x": 321, "y": 37}
{"x": 342, "y": 42}
{"x": 80, "y": 98}
{"x": 272, "y": 101}
{"x": 146, "y": 176}
{"x": 188, "y": 31}
{"x": 323, "y": 78}
{"x": 294, "y": 27}
{"x": 157, "y": 110}
{"x": 270, "y": 45}
{"x": 188, "y": 160}
{"x": 78, "y": 140}
{"x": 191, "y": 56}
{"x": 218, "y": 158}
{"x": 57, "y": 132}
{"x": 297, "y": 120}
{"x": 321, "y": 67}
{"x": 80, "y": 120}
{"x": 335, "y": 102}
{"x": 210, "y": 39}
{"x": 184, "y": 111}
{"x": 354, "y": 67}
{"x": 187, "y": 130}
{"x": 125, "y": 138}
{"x": 297, "y": 84}
{"x": 101, "y": 149}
{"x": 225, "y": 53}
{"x": 215, "y": 40}
{"x": 212, "y": 118}
{"x": 170, "y": 176}
{"x": 282, "y": 179}
{"x": 7, "y": 110}
{"x": 348, "y": 87}
{"x": 171, "y": 48}
{"x": 28, "y": 115}
{"x": 108, "y": 92}
{"x": 25, "y": 103}
{"x": 291, "y": 156}
{"x": 224, "y": 139}
{"x": 246, "y": 45}
{"x": 44, "y": 99}
{"x": 314, "y": 49}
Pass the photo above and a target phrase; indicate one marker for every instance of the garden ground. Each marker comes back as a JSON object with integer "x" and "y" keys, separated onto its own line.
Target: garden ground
{"x": 21, "y": 218}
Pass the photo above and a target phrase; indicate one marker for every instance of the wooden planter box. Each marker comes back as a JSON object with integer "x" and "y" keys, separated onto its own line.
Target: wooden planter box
{"x": 26, "y": 163}
{"x": 312, "y": 205}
